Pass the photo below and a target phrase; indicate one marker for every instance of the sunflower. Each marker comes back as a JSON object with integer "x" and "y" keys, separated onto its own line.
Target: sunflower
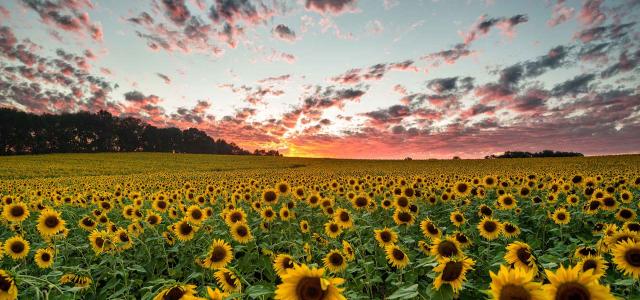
{"x": 348, "y": 251}
{"x": 87, "y": 223}
{"x": 510, "y": 230}
{"x": 402, "y": 202}
{"x": 515, "y": 284}
{"x": 335, "y": 261}
{"x": 216, "y": 294}
{"x": 303, "y": 282}
{"x": 462, "y": 188}
{"x": 360, "y": 202}
{"x": 452, "y": 271}
{"x": 445, "y": 248}
{"x": 462, "y": 239}
{"x": 429, "y": 229}
{"x": 457, "y": 218}
{"x": 177, "y": 292}
{"x": 270, "y": 196}
{"x": 626, "y": 196}
{"x": 507, "y": 202}
{"x": 153, "y": 219}
{"x": 489, "y": 181}
{"x": 595, "y": 263}
{"x": 489, "y": 228}
{"x": 183, "y": 230}
{"x": 385, "y": 237}
{"x": 520, "y": 255}
{"x": 626, "y": 256}
{"x": 44, "y": 258}
{"x": 285, "y": 214}
{"x": 100, "y": 241}
{"x": 228, "y": 280}
{"x": 241, "y": 233}
{"x": 78, "y": 281}
{"x": 342, "y": 217}
{"x": 16, "y": 212}
{"x": 396, "y": 257}
{"x": 50, "y": 223}
{"x": 304, "y": 226}
{"x": 220, "y": 254}
{"x": 626, "y": 214}
{"x": 16, "y": 247}
{"x": 8, "y": 289}
{"x": 402, "y": 217}
{"x": 561, "y": 216}
{"x": 122, "y": 240}
{"x": 332, "y": 229}
{"x": 571, "y": 283}
{"x": 267, "y": 213}
{"x": 424, "y": 247}
{"x": 283, "y": 263}
{"x": 582, "y": 252}
{"x": 237, "y": 215}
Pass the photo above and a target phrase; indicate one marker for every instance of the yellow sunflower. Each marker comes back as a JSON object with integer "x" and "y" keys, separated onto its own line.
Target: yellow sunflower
{"x": 506, "y": 202}
{"x": 241, "y": 233}
{"x": 489, "y": 228}
{"x": 403, "y": 217}
{"x": 445, "y": 248}
{"x": 16, "y": 247}
{"x": 515, "y": 283}
{"x": 595, "y": 263}
{"x": 100, "y": 241}
{"x": 228, "y": 280}
{"x": 452, "y": 271}
{"x": 561, "y": 216}
{"x": 283, "y": 263}
{"x": 16, "y": 212}
{"x": 335, "y": 261}
{"x": 429, "y": 229}
{"x": 332, "y": 229}
{"x": 220, "y": 254}
{"x": 396, "y": 257}
{"x": 303, "y": 283}
{"x": 8, "y": 288}
{"x": 216, "y": 294}
{"x": 626, "y": 256}
{"x": 520, "y": 255}
{"x": 177, "y": 292}
{"x": 571, "y": 283}
{"x": 50, "y": 223}
{"x": 342, "y": 217}
{"x": 348, "y": 251}
{"x": 44, "y": 258}
{"x": 385, "y": 237}
{"x": 183, "y": 230}
{"x": 457, "y": 218}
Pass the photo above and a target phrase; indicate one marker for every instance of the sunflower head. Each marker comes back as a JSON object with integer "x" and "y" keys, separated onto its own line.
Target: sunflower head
{"x": 515, "y": 283}
{"x": 335, "y": 261}
{"x": 303, "y": 282}
{"x": 571, "y": 283}
{"x": 452, "y": 271}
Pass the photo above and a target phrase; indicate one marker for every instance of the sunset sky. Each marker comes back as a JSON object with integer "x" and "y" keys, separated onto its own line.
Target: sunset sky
{"x": 339, "y": 78}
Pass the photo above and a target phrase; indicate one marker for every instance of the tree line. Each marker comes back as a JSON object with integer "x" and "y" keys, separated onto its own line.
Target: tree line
{"x": 543, "y": 153}
{"x": 85, "y": 132}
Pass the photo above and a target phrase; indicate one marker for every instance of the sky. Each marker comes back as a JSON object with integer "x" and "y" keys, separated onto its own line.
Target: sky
{"x": 378, "y": 79}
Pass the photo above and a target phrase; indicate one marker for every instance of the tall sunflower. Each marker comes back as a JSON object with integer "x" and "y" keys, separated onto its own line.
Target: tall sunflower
{"x": 513, "y": 284}
{"x": 452, "y": 271}
{"x": 303, "y": 283}
{"x": 220, "y": 254}
{"x": 571, "y": 283}
{"x": 561, "y": 216}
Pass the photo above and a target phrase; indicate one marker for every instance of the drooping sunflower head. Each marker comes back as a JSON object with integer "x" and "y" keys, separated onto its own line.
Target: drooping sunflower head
{"x": 429, "y": 229}
{"x": 348, "y": 251}
{"x": 452, "y": 271}
{"x": 520, "y": 255}
{"x": 228, "y": 280}
{"x": 283, "y": 263}
{"x": 303, "y": 283}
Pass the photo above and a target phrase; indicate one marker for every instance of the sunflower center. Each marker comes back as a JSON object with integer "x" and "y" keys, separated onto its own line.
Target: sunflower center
{"x": 335, "y": 259}
{"x": 344, "y": 216}
{"x": 514, "y": 292}
{"x": 173, "y": 294}
{"x": 404, "y": 216}
{"x": 385, "y": 236}
{"x": 309, "y": 288}
{"x": 461, "y": 238}
{"x": 398, "y": 254}
{"x": 5, "y": 283}
{"x": 452, "y": 271}
{"x": 561, "y": 216}
{"x": 432, "y": 228}
{"x": 458, "y": 218}
{"x": 625, "y": 213}
{"x": 17, "y": 247}
{"x": 572, "y": 291}
{"x": 236, "y": 216}
{"x": 17, "y": 211}
{"x": 402, "y": 202}
{"x": 490, "y": 226}
{"x": 447, "y": 249}
{"x": 361, "y": 202}
{"x": 124, "y": 237}
{"x": 99, "y": 242}
{"x": 51, "y": 221}
{"x": 334, "y": 227}
{"x": 633, "y": 257}
{"x": 45, "y": 257}
{"x": 508, "y": 201}
{"x": 509, "y": 228}
{"x": 196, "y": 214}
{"x": 185, "y": 228}
{"x": 230, "y": 281}
{"x": 589, "y": 264}
{"x": 609, "y": 201}
{"x": 270, "y": 196}
{"x": 162, "y": 204}
{"x": 218, "y": 254}
{"x": 523, "y": 255}
{"x": 242, "y": 231}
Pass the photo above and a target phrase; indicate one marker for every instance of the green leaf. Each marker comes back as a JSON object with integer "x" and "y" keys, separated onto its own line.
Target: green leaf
{"x": 624, "y": 282}
{"x": 408, "y": 292}
{"x": 257, "y": 291}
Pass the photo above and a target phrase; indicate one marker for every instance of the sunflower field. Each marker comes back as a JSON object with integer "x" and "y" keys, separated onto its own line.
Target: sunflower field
{"x": 177, "y": 226}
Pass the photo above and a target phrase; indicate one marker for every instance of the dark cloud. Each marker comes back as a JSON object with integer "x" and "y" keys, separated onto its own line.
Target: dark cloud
{"x": 284, "y": 33}
{"x": 625, "y": 63}
{"x": 176, "y": 10}
{"x": 165, "y": 78}
{"x": 451, "y": 84}
{"x": 67, "y": 16}
{"x": 486, "y": 23}
{"x": 552, "y": 60}
{"x": 233, "y": 11}
{"x": 614, "y": 31}
{"x": 573, "y": 87}
{"x": 449, "y": 56}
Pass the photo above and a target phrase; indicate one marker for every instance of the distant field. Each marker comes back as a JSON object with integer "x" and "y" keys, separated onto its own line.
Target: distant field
{"x": 159, "y": 226}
